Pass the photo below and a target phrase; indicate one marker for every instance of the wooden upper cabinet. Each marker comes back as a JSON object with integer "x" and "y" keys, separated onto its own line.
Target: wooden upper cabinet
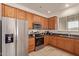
{"x": 36, "y": 19}
{"x": 0, "y": 10}
{"x": 30, "y": 20}
{"x": 8, "y": 11}
{"x": 42, "y": 22}
{"x": 21, "y": 14}
{"x": 45, "y": 23}
{"x": 52, "y": 22}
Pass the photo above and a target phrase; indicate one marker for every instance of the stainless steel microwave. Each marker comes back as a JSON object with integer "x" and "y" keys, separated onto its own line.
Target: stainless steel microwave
{"x": 37, "y": 26}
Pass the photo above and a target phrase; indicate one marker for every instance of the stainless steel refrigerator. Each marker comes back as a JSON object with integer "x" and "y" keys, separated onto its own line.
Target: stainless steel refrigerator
{"x": 14, "y": 37}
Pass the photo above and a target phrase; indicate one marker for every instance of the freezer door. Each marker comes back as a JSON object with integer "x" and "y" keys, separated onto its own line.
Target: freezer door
{"x": 22, "y": 38}
{"x": 8, "y": 34}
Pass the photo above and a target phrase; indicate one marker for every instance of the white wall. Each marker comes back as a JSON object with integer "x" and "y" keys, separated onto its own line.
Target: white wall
{"x": 67, "y": 12}
{"x": 64, "y": 12}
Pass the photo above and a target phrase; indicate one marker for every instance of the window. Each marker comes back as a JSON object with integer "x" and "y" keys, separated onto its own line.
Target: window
{"x": 73, "y": 24}
{"x": 69, "y": 23}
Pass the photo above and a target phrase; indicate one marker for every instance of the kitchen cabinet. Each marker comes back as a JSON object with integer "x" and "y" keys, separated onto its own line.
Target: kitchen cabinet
{"x": 21, "y": 14}
{"x": 52, "y": 23}
{"x": 65, "y": 43}
{"x": 45, "y": 23}
{"x": 69, "y": 45}
{"x": 0, "y": 10}
{"x": 37, "y": 19}
{"x": 46, "y": 40}
{"x": 8, "y": 11}
{"x": 60, "y": 42}
{"x": 76, "y": 47}
{"x": 41, "y": 20}
{"x": 30, "y": 20}
{"x": 31, "y": 44}
{"x": 53, "y": 40}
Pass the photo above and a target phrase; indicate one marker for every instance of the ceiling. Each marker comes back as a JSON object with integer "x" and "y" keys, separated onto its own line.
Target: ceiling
{"x": 47, "y": 8}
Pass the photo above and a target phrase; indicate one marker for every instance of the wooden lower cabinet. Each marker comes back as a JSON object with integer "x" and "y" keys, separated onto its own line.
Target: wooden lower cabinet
{"x": 65, "y": 43}
{"x": 46, "y": 40}
{"x": 76, "y": 47}
{"x": 53, "y": 40}
{"x": 60, "y": 42}
{"x": 31, "y": 44}
{"x": 69, "y": 45}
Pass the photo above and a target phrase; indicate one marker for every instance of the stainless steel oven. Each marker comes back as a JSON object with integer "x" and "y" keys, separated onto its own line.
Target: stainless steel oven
{"x": 39, "y": 41}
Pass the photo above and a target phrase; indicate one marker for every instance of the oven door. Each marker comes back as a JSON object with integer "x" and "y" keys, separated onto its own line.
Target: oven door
{"x": 39, "y": 41}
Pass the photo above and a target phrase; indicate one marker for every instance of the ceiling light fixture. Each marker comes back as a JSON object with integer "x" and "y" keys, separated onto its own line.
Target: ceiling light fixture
{"x": 44, "y": 9}
{"x": 67, "y": 5}
{"x": 49, "y": 11}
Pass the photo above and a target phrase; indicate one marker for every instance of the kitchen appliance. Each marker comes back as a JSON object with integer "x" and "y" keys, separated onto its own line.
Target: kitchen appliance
{"x": 22, "y": 37}
{"x": 8, "y": 27}
{"x": 14, "y": 37}
{"x": 36, "y": 26}
{"x": 8, "y": 38}
{"x": 39, "y": 41}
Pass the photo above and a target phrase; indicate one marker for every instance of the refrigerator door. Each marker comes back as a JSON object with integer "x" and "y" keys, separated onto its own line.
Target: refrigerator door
{"x": 22, "y": 37}
{"x": 8, "y": 36}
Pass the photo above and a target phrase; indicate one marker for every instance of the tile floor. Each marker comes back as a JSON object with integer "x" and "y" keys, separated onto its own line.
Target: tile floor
{"x": 50, "y": 51}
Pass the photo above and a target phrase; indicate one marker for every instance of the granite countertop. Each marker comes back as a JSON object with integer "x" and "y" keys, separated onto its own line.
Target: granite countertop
{"x": 64, "y": 34}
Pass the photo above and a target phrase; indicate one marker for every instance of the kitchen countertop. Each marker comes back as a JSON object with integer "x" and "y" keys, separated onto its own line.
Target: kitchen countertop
{"x": 67, "y": 36}
{"x": 61, "y": 33}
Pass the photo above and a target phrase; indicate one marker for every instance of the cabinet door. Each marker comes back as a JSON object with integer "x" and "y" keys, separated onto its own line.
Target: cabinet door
{"x": 76, "y": 47}
{"x": 21, "y": 14}
{"x": 53, "y": 40}
{"x": 0, "y": 10}
{"x": 8, "y": 11}
{"x": 46, "y": 40}
{"x": 30, "y": 20}
{"x": 37, "y": 19}
{"x": 69, "y": 45}
{"x": 52, "y": 22}
{"x": 60, "y": 42}
{"x": 31, "y": 44}
{"x": 42, "y": 22}
{"x": 45, "y": 25}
